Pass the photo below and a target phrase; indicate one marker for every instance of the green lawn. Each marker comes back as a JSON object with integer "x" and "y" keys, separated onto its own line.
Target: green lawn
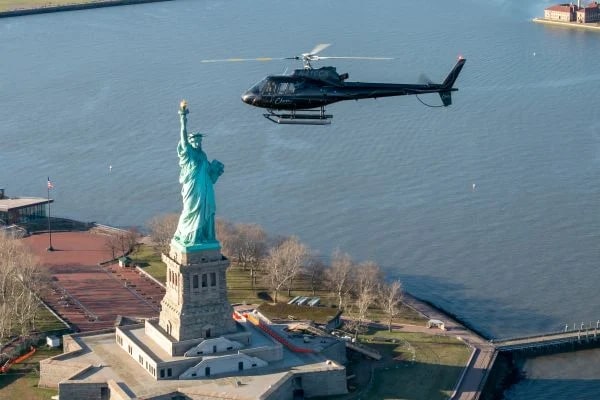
{"x": 149, "y": 258}
{"x": 416, "y": 366}
{"x": 20, "y": 382}
{"x": 47, "y": 321}
{"x": 240, "y": 288}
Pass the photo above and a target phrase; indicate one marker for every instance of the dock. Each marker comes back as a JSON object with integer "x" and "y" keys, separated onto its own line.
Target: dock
{"x": 568, "y": 340}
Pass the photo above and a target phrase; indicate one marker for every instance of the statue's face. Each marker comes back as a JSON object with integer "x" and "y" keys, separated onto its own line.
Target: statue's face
{"x": 196, "y": 142}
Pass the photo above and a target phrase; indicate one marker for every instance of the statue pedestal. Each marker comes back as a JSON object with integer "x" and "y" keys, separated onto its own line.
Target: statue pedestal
{"x": 195, "y": 303}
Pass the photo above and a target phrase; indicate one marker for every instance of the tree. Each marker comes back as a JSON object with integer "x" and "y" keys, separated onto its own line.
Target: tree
{"x": 162, "y": 228}
{"x": 284, "y": 262}
{"x": 368, "y": 280}
{"x": 251, "y": 247}
{"x": 339, "y": 276}
{"x": 20, "y": 279}
{"x": 121, "y": 242}
{"x": 390, "y": 298}
{"x": 314, "y": 270}
{"x": 226, "y": 233}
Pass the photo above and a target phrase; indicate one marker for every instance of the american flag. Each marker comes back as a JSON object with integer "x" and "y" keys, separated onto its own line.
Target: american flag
{"x": 50, "y": 186}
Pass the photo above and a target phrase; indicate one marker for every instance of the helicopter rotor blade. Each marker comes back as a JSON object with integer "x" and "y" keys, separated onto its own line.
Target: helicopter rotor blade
{"x": 424, "y": 79}
{"x": 318, "y": 48}
{"x": 317, "y": 58}
{"x": 245, "y": 59}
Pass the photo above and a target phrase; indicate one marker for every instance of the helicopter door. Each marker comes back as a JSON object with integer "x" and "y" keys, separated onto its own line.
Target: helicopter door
{"x": 285, "y": 88}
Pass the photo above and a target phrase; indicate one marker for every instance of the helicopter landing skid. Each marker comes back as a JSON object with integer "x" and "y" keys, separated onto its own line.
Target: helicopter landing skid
{"x": 300, "y": 117}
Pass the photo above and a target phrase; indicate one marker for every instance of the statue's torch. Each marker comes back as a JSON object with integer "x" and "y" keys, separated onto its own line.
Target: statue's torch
{"x": 183, "y": 110}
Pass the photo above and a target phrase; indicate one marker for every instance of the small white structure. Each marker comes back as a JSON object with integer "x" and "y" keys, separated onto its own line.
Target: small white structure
{"x": 212, "y": 346}
{"x": 222, "y": 364}
{"x": 52, "y": 341}
{"x": 436, "y": 323}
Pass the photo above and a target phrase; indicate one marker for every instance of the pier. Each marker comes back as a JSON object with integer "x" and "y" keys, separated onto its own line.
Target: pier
{"x": 567, "y": 340}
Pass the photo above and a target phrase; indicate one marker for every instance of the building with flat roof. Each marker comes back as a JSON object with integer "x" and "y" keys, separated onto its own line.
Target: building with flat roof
{"x": 198, "y": 348}
{"x": 18, "y": 210}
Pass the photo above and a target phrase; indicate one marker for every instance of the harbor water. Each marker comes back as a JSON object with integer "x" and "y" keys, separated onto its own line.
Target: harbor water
{"x": 488, "y": 208}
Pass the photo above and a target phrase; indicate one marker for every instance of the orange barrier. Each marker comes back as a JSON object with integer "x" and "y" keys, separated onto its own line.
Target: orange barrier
{"x": 17, "y": 360}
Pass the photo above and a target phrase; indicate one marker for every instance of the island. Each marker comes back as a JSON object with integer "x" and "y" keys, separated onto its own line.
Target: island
{"x": 572, "y": 15}
{"x": 14, "y": 8}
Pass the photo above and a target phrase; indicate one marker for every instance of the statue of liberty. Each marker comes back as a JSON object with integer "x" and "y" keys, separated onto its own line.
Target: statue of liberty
{"x": 197, "y": 221}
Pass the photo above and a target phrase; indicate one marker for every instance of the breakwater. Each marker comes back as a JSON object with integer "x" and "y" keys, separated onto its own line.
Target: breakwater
{"x": 73, "y": 7}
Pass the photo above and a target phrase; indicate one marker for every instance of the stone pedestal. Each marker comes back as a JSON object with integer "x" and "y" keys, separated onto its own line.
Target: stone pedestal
{"x": 195, "y": 303}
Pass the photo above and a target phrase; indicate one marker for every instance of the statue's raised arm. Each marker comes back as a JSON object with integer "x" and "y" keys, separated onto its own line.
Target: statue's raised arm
{"x": 196, "y": 228}
{"x": 183, "y": 112}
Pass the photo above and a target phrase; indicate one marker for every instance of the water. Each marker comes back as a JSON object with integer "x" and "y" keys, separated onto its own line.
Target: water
{"x": 389, "y": 181}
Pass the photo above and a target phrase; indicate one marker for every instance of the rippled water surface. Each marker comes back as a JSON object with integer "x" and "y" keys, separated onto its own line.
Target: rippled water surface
{"x": 488, "y": 208}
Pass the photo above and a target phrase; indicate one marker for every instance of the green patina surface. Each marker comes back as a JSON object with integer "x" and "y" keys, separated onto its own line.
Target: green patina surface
{"x": 196, "y": 227}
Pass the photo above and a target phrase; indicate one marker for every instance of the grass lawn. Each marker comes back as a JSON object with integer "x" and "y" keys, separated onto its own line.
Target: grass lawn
{"x": 148, "y": 258}
{"x": 47, "y": 321}
{"x": 415, "y": 366}
{"x": 20, "y": 382}
{"x": 239, "y": 287}
{"x": 6, "y": 5}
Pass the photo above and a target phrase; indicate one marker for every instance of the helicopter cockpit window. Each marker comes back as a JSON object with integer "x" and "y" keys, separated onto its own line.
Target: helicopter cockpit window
{"x": 258, "y": 87}
{"x": 270, "y": 88}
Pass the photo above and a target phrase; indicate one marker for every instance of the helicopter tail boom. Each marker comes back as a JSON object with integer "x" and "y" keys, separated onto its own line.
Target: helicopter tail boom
{"x": 447, "y": 89}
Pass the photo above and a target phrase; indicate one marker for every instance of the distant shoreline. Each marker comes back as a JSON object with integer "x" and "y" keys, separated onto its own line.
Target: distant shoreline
{"x": 592, "y": 27}
{"x": 72, "y": 7}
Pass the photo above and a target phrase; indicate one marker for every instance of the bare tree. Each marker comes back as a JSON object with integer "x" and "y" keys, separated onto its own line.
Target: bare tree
{"x": 368, "y": 280}
{"x": 339, "y": 276}
{"x": 226, "y": 233}
{"x": 284, "y": 262}
{"x": 251, "y": 248}
{"x": 20, "y": 278}
{"x": 162, "y": 228}
{"x": 390, "y": 299}
{"x": 122, "y": 242}
{"x": 112, "y": 243}
{"x": 315, "y": 268}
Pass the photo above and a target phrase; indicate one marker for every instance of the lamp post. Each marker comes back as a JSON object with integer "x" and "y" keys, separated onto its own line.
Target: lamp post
{"x": 50, "y": 248}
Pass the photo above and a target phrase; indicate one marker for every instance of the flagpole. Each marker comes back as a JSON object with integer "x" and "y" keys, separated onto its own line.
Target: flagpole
{"x": 50, "y": 248}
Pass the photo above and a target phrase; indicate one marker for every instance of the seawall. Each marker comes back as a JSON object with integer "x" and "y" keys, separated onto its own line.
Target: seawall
{"x": 73, "y": 7}
{"x": 576, "y": 25}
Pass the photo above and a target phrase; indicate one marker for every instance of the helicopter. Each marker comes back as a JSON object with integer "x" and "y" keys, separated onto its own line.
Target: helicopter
{"x": 301, "y": 97}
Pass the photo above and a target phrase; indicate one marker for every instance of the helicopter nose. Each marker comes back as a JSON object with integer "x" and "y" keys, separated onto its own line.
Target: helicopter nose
{"x": 248, "y": 98}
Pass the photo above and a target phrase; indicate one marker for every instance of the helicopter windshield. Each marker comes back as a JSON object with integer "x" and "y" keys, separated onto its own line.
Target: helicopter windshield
{"x": 270, "y": 87}
{"x": 258, "y": 87}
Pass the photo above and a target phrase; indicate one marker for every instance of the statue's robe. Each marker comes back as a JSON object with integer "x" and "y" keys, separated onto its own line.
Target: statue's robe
{"x": 197, "y": 176}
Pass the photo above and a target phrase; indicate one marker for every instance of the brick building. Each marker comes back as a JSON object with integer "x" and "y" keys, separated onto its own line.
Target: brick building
{"x": 570, "y": 12}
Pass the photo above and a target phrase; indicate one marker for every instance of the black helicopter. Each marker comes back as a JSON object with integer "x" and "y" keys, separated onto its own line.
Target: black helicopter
{"x": 307, "y": 91}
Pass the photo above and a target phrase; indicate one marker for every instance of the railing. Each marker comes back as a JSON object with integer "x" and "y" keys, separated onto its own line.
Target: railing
{"x": 265, "y": 328}
{"x": 548, "y": 339}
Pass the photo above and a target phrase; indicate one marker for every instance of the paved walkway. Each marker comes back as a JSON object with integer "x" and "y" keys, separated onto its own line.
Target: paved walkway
{"x": 89, "y": 296}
